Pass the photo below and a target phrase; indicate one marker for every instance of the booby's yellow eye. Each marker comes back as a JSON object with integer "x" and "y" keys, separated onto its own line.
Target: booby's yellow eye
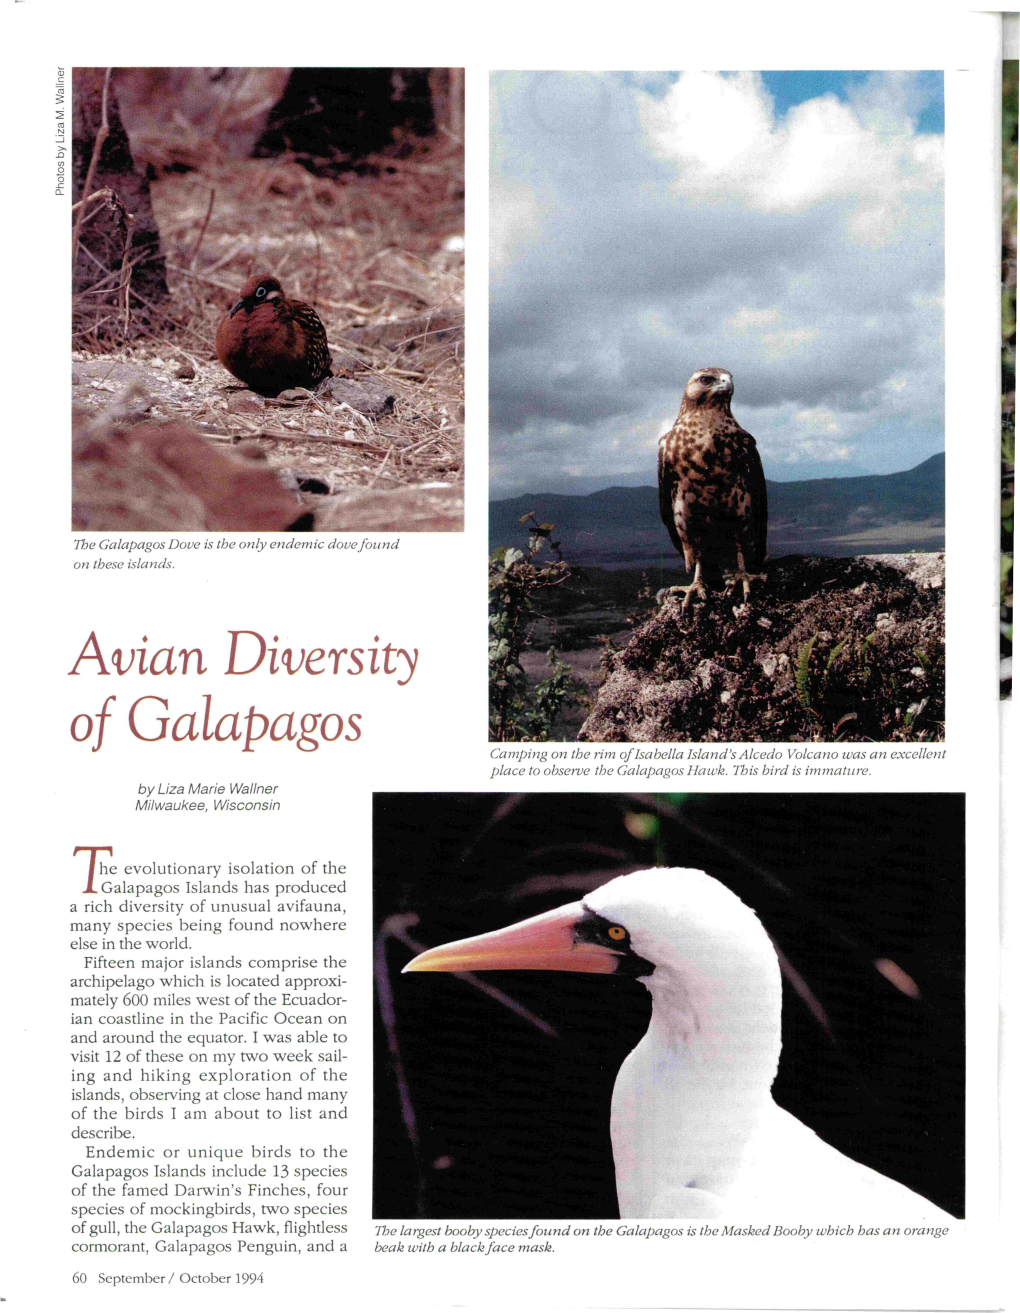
{"x": 617, "y": 932}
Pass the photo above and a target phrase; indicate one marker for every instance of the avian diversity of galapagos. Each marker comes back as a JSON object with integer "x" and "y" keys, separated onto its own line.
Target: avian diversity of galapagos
{"x": 271, "y": 342}
{"x": 712, "y": 494}
{"x": 694, "y": 1128}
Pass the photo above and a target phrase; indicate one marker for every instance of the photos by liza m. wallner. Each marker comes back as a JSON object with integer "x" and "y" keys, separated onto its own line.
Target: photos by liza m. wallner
{"x": 693, "y": 331}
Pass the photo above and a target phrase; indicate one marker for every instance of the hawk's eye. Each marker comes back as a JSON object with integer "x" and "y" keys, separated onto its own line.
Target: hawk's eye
{"x": 616, "y": 932}
{"x": 259, "y": 293}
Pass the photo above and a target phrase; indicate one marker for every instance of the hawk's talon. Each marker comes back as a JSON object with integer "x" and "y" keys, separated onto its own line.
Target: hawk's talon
{"x": 687, "y": 589}
{"x": 742, "y": 577}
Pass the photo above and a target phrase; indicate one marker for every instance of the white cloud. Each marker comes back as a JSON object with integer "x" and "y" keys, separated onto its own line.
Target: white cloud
{"x": 637, "y": 237}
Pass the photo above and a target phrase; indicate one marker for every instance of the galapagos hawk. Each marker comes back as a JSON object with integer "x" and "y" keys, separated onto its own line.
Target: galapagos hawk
{"x": 712, "y": 487}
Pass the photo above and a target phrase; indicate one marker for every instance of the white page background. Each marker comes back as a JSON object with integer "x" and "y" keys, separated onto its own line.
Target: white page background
{"x": 429, "y": 595}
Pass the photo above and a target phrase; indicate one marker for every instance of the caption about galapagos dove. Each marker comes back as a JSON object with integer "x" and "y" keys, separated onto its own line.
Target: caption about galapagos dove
{"x": 152, "y": 718}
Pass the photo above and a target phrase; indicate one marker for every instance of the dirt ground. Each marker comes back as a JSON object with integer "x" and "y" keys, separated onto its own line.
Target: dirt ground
{"x": 827, "y": 650}
{"x": 379, "y": 255}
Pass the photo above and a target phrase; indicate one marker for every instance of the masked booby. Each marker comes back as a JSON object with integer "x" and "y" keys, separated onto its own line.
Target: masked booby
{"x": 694, "y": 1128}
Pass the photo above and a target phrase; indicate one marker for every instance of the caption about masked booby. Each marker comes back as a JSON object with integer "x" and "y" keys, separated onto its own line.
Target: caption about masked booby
{"x": 696, "y": 761}
{"x": 537, "y": 1237}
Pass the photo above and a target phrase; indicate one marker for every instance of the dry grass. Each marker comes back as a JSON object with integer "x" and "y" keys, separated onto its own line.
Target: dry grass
{"x": 369, "y": 251}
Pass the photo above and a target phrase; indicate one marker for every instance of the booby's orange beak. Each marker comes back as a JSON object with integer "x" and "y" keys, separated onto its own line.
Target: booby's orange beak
{"x": 542, "y": 943}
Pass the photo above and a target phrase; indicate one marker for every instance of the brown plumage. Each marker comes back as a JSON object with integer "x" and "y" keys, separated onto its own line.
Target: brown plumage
{"x": 271, "y": 342}
{"x": 712, "y": 492}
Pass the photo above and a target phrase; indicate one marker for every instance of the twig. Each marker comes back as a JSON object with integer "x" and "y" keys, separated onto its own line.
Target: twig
{"x": 406, "y": 166}
{"x": 260, "y": 431}
{"x": 395, "y": 287}
{"x": 97, "y": 146}
{"x": 95, "y": 260}
{"x": 125, "y": 269}
{"x": 89, "y": 333}
{"x": 194, "y": 361}
{"x": 430, "y": 332}
{"x": 205, "y": 224}
{"x": 404, "y": 373}
{"x": 363, "y": 311}
{"x": 312, "y": 398}
{"x": 173, "y": 319}
{"x": 378, "y": 473}
{"x": 103, "y": 194}
{"x": 355, "y": 352}
{"x": 436, "y": 368}
{"x": 100, "y": 288}
{"x": 318, "y": 263}
{"x": 359, "y": 417}
{"x": 388, "y": 1013}
{"x": 202, "y": 278}
{"x": 424, "y": 443}
{"x": 236, "y": 249}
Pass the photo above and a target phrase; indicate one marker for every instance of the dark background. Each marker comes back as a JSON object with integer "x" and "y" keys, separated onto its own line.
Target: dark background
{"x": 479, "y": 1112}
{"x": 331, "y": 118}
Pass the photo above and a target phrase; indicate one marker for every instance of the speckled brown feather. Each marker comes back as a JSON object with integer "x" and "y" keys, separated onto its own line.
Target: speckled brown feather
{"x": 712, "y": 493}
{"x": 271, "y": 342}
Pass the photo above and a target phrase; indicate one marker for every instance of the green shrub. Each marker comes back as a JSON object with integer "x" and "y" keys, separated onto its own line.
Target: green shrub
{"x": 516, "y": 580}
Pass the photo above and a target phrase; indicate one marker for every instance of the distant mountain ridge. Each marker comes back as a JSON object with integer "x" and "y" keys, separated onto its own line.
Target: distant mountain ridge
{"x": 832, "y": 517}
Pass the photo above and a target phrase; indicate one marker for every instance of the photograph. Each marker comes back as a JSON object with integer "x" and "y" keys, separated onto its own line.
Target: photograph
{"x": 268, "y": 299}
{"x": 660, "y": 962}
{"x": 670, "y": 1005}
{"x": 717, "y": 406}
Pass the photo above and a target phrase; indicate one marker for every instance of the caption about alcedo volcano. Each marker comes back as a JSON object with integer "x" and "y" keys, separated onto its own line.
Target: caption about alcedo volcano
{"x": 693, "y": 761}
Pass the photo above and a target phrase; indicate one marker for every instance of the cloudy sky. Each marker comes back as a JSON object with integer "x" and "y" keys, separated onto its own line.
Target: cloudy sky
{"x": 785, "y": 226}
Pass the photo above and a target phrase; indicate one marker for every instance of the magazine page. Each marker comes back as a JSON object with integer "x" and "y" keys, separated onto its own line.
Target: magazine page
{"x": 503, "y": 718}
